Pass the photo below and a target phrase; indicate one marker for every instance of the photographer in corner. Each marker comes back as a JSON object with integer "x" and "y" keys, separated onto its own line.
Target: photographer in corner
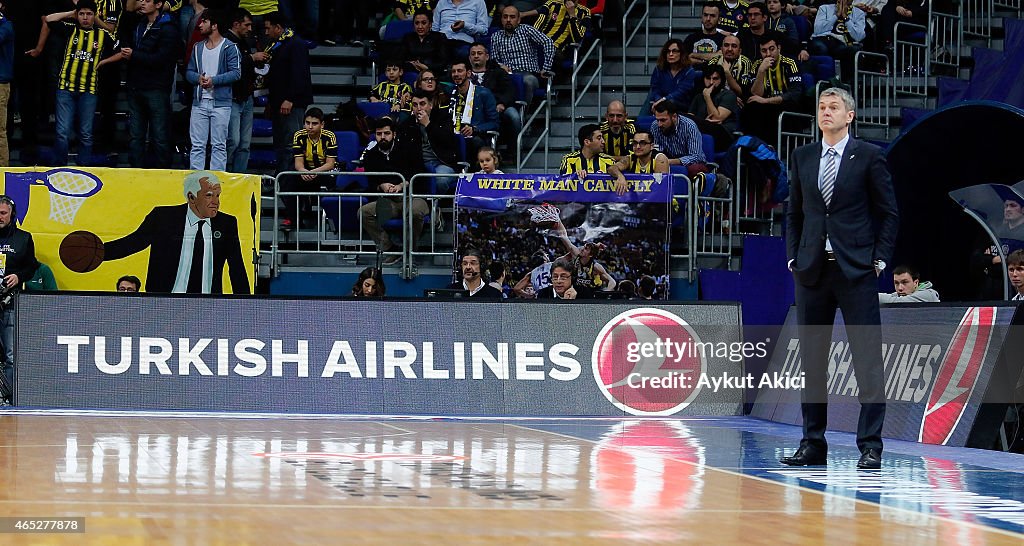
{"x": 17, "y": 265}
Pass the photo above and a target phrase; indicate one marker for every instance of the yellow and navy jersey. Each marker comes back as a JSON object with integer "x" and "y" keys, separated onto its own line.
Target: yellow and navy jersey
{"x": 740, "y": 69}
{"x": 731, "y": 20}
{"x": 779, "y": 78}
{"x": 391, "y": 92}
{"x": 574, "y": 162}
{"x": 585, "y": 274}
{"x": 618, "y": 145}
{"x": 636, "y": 168}
{"x": 110, "y": 12}
{"x": 410, "y": 7}
{"x": 82, "y": 55}
{"x": 553, "y": 20}
{"x": 314, "y": 151}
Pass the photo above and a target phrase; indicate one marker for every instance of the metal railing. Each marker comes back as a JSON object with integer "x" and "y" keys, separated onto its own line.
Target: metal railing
{"x": 597, "y": 74}
{"x": 627, "y": 38}
{"x": 711, "y": 228}
{"x": 1014, "y": 5}
{"x": 323, "y": 238}
{"x": 683, "y": 204}
{"x": 545, "y": 108}
{"x": 871, "y": 88}
{"x": 946, "y": 33}
{"x": 791, "y": 139}
{"x": 439, "y": 215}
{"x": 977, "y": 18}
{"x": 919, "y": 49}
{"x": 750, "y": 201}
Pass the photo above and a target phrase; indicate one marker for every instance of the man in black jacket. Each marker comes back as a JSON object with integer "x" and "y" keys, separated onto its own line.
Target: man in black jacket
{"x": 384, "y": 156}
{"x": 17, "y": 265}
{"x": 430, "y": 138}
{"x": 152, "y": 52}
{"x": 289, "y": 84}
{"x": 240, "y": 126}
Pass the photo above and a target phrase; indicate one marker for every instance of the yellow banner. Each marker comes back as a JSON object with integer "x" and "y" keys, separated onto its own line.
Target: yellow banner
{"x": 93, "y": 225}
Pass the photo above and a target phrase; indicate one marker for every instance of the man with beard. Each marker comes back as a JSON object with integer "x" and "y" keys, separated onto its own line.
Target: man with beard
{"x": 678, "y": 138}
{"x": 474, "y": 112}
{"x": 515, "y": 49}
{"x": 736, "y": 65}
{"x": 617, "y": 130}
{"x": 498, "y": 82}
{"x": 383, "y": 156}
{"x": 703, "y": 44}
{"x": 471, "y": 266}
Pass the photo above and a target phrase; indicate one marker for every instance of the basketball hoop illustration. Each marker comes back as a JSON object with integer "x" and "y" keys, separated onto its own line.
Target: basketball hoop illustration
{"x": 69, "y": 188}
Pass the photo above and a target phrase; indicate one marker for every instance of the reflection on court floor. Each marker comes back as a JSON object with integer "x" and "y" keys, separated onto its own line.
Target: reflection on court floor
{"x": 208, "y": 479}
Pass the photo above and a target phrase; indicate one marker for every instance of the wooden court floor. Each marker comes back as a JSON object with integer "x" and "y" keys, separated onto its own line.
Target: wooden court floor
{"x": 215, "y": 480}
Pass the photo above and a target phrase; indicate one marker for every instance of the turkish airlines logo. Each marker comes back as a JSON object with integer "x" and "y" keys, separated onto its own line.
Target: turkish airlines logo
{"x": 647, "y": 362}
{"x": 957, "y": 376}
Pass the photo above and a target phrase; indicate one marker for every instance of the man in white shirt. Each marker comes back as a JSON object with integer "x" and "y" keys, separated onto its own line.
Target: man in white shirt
{"x": 213, "y": 69}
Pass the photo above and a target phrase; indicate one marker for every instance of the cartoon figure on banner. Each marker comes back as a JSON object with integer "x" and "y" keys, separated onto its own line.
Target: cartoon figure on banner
{"x": 68, "y": 189}
{"x": 189, "y": 244}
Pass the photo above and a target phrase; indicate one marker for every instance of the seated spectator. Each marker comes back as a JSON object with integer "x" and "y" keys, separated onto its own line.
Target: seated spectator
{"x": 315, "y": 150}
{"x": 129, "y": 283}
{"x": 776, "y": 87}
{"x": 499, "y": 83}
{"x": 737, "y": 66}
{"x": 461, "y": 22}
{"x": 715, "y": 107}
{"x": 428, "y": 83}
{"x": 387, "y": 154}
{"x": 514, "y": 49}
{"x": 424, "y": 49}
{"x": 753, "y": 37}
{"x": 213, "y": 68}
{"x": 88, "y": 48}
{"x": 471, "y": 265}
{"x": 564, "y": 21}
{"x": 644, "y": 159}
{"x": 430, "y": 138}
{"x": 1015, "y": 269}
{"x": 497, "y": 271}
{"x": 779, "y": 21}
{"x": 370, "y": 284}
{"x": 392, "y": 89}
{"x": 627, "y": 288}
{"x": 839, "y": 31}
{"x": 646, "y": 288}
{"x": 42, "y": 281}
{"x": 985, "y": 264}
{"x": 671, "y": 79}
{"x": 732, "y": 16}
{"x": 591, "y": 158}
{"x": 474, "y": 112}
{"x": 617, "y": 130}
{"x": 489, "y": 160}
{"x": 678, "y": 138}
{"x": 563, "y": 276}
{"x": 909, "y": 288}
{"x": 895, "y": 11}
{"x": 406, "y": 9}
{"x": 700, "y": 46}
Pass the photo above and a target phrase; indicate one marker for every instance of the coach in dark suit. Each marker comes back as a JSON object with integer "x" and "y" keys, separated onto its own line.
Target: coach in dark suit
{"x": 841, "y": 227}
{"x": 189, "y": 243}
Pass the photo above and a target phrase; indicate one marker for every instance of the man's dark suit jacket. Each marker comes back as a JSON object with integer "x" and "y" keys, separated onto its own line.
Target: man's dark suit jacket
{"x": 162, "y": 231}
{"x": 861, "y": 222}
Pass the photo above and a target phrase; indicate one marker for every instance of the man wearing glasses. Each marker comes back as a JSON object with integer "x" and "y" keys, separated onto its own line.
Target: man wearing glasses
{"x": 643, "y": 159}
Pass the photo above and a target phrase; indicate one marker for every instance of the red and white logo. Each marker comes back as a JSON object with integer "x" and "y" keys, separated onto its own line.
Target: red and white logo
{"x": 957, "y": 375}
{"x": 647, "y": 362}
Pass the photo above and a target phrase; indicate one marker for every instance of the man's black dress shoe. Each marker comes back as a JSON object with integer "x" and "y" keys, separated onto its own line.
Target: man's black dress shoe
{"x": 805, "y": 456}
{"x": 871, "y": 459}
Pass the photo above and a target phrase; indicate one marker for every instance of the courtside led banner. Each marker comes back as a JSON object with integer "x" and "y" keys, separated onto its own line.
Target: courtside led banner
{"x": 93, "y": 225}
{"x": 528, "y": 222}
{"x": 376, "y": 357}
{"x": 938, "y": 362}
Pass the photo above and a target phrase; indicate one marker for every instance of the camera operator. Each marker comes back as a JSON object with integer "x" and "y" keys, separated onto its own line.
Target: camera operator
{"x": 17, "y": 265}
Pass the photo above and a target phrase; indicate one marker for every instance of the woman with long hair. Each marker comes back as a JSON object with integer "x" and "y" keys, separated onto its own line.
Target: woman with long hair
{"x": 428, "y": 82}
{"x": 672, "y": 78}
{"x": 370, "y": 284}
{"x": 715, "y": 107}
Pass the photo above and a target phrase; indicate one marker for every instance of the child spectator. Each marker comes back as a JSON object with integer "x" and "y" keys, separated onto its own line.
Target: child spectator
{"x": 393, "y": 89}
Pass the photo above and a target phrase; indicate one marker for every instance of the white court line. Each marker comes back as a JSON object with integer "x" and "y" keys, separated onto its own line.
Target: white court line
{"x": 978, "y": 526}
{"x": 346, "y": 416}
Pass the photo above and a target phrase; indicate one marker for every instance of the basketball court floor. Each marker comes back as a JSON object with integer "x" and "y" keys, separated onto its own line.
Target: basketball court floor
{"x": 166, "y": 478}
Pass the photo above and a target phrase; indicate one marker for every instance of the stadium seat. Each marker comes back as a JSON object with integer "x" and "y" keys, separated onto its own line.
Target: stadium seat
{"x": 262, "y": 159}
{"x": 348, "y": 150}
{"x": 803, "y": 28}
{"x": 824, "y": 67}
{"x": 375, "y": 110}
{"x": 396, "y": 28}
{"x": 262, "y": 127}
{"x": 343, "y": 213}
